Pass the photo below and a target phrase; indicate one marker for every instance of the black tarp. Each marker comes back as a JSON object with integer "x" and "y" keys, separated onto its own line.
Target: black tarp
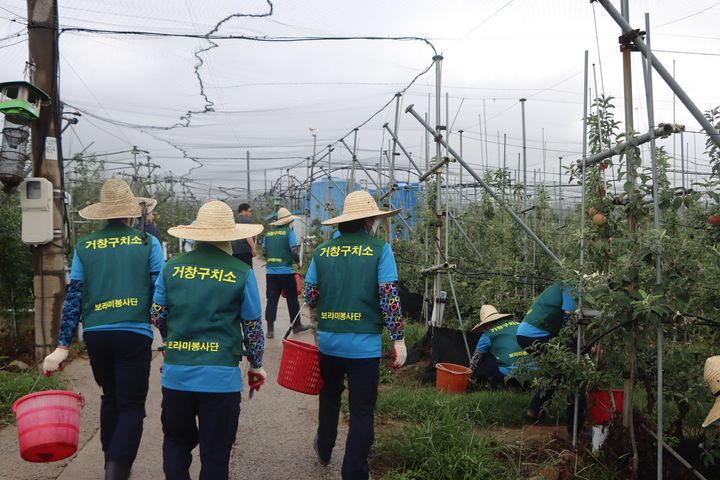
{"x": 446, "y": 346}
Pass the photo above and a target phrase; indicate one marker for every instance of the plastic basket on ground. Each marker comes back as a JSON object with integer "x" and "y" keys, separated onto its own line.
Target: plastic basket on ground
{"x": 300, "y": 367}
{"x": 452, "y": 378}
{"x": 48, "y": 425}
{"x": 601, "y": 405}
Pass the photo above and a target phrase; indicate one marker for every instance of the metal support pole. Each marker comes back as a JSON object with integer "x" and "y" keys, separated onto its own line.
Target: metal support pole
{"x": 582, "y": 243}
{"x": 629, "y": 377}
{"x": 396, "y": 141}
{"x": 247, "y": 164}
{"x": 662, "y": 71}
{"x": 377, "y": 186}
{"x": 436, "y": 320}
{"x": 465, "y": 236}
{"x": 524, "y": 153}
{"x": 647, "y": 74}
{"x": 461, "y": 169}
{"x": 353, "y": 154}
{"x": 439, "y": 139}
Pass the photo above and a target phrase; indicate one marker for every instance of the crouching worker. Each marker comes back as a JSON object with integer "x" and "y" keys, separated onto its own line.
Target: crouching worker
{"x": 353, "y": 281}
{"x": 207, "y": 307}
{"x": 113, "y": 270}
{"x": 497, "y": 350}
{"x": 548, "y": 315}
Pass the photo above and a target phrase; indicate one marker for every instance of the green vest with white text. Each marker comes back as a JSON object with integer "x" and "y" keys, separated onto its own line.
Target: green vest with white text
{"x": 205, "y": 289}
{"x": 347, "y": 272}
{"x": 116, "y": 276}
{"x": 503, "y": 342}
{"x": 277, "y": 247}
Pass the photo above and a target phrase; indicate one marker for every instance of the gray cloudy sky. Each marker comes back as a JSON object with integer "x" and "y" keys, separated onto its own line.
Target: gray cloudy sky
{"x": 266, "y": 95}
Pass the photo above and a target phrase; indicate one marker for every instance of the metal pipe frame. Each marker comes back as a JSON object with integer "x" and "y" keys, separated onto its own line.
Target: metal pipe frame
{"x": 662, "y": 71}
{"x": 438, "y": 166}
{"x": 663, "y": 130}
{"x": 528, "y": 231}
{"x": 397, "y": 142}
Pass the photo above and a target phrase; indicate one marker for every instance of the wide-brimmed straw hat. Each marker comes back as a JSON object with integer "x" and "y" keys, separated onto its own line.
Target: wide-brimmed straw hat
{"x": 215, "y": 222}
{"x": 712, "y": 378}
{"x": 284, "y": 216}
{"x": 488, "y": 314}
{"x": 359, "y": 204}
{"x": 117, "y": 201}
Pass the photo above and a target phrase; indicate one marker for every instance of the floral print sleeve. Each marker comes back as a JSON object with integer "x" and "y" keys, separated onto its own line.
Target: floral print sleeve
{"x": 390, "y": 308}
{"x": 312, "y": 294}
{"x": 71, "y": 310}
{"x": 254, "y": 341}
{"x": 158, "y": 317}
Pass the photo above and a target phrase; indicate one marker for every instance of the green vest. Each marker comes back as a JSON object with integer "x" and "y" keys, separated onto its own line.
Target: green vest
{"x": 277, "y": 247}
{"x": 205, "y": 290}
{"x": 503, "y": 344}
{"x": 546, "y": 311}
{"x": 116, "y": 276}
{"x": 347, "y": 270}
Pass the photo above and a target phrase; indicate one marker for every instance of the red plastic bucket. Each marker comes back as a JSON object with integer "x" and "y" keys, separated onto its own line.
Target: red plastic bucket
{"x": 48, "y": 425}
{"x": 300, "y": 367}
{"x": 452, "y": 378}
{"x": 601, "y": 407}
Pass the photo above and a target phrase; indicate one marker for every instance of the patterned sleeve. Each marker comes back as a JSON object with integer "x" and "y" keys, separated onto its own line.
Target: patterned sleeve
{"x": 71, "y": 310}
{"x": 254, "y": 341}
{"x": 475, "y": 361}
{"x": 312, "y": 294}
{"x": 158, "y": 317}
{"x": 390, "y": 307}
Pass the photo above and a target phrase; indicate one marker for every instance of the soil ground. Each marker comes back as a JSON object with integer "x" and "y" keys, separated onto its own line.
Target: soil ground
{"x": 274, "y": 438}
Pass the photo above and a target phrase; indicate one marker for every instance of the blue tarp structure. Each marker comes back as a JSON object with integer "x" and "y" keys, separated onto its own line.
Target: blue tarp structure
{"x": 327, "y": 198}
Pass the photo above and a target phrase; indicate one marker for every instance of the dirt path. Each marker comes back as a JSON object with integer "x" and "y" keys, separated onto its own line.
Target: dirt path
{"x": 274, "y": 438}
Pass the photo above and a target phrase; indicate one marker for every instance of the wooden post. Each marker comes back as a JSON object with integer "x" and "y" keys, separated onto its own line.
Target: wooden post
{"x": 46, "y": 155}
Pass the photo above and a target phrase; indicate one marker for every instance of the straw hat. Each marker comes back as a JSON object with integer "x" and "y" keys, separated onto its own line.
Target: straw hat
{"x": 359, "y": 204}
{"x": 116, "y": 201}
{"x": 712, "y": 378}
{"x": 215, "y": 223}
{"x": 284, "y": 216}
{"x": 488, "y": 314}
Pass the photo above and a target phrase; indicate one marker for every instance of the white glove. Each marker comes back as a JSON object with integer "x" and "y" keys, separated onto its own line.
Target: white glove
{"x": 54, "y": 360}
{"x": 400, "y": 353}
{"x": 256, "y": 378}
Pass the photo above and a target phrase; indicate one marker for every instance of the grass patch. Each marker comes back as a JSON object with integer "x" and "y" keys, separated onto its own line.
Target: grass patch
{"x": 16, "y": 385}
{"x": 483, "y": 408}
{"x": 443, "y": 446}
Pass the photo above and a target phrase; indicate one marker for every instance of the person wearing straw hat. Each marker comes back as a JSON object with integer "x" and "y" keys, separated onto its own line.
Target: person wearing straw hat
{"x": 111, "y": 279}
{"x": 207, "y": 308}
{"x": 498, "y": 339}
{"x": 281, "y": 250}
{"x": 712, "y": 379}
{"x": 352, "y": 281}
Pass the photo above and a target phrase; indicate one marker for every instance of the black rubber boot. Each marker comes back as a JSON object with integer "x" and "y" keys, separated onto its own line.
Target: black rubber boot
{"x": 115, "y": 470}
{"x": 270, "y": 331}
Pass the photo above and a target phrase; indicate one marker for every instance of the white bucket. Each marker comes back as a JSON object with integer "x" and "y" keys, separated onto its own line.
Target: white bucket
{"x": 599, "y": 434}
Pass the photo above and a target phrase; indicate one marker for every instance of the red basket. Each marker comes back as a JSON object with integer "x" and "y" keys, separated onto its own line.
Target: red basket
{"x": 300, "y": 367}
{"x": 48, "y": 425}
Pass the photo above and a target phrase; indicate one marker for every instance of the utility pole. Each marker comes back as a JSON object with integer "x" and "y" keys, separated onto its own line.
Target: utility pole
{"x": 247, "y": 166}
{"x": 46, "y": 155}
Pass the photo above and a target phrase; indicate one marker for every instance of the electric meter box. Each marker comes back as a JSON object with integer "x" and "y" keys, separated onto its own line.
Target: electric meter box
{"x": 36, "y": 201}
